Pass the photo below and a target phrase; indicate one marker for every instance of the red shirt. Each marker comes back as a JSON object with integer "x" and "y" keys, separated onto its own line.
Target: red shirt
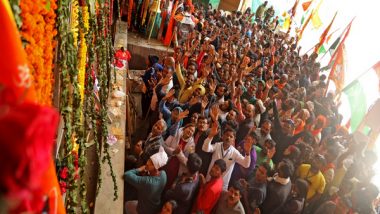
{"x": 208, "y": 196}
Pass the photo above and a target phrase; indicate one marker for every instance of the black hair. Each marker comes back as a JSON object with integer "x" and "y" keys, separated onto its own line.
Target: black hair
{"x": 229, "y": 130}
{"x": 221, "y": 164}
{"x": 254, "y": 136}
{"x": 236, "y": 185}
{"x": 194, "y": 163}
{"x": 286, "y": 168}
{"x": 271, "y": 142}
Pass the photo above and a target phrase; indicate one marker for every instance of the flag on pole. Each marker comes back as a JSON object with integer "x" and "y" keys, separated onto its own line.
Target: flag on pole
{"x": 338, "y": 69}
{"x": 294, "y": 9}
{"x": 334, "y": 45}
{"x": 316, "y": 20}
{"x": 306, "y": 5}
{"x": 322, "y": 50}
{"x": 323, "y": 37}
{"x": 305, "y": 25}
{"x": 358, "y": 97}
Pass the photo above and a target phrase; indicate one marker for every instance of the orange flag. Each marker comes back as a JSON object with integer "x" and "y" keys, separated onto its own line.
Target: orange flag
{"x": 323, "y": 37}
{"x": 338, "y": 69}
{"x": 306, "y": 5}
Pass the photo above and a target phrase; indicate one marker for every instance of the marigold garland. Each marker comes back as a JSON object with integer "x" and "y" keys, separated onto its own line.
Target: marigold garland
{"x": 38, "y": 30}
{"x": 75, "y": 21}
{"x": 83, "y": 52}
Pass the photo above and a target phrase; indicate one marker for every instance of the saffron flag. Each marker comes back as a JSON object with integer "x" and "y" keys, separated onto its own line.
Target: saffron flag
{"x": 306, "y": 5}
{"x": 323, "y": 37}
{"x": 316, "y": 20}
{"x": 338, "y": 69}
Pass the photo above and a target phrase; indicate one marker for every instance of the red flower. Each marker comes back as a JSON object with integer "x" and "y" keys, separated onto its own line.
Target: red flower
{"x": 63, "y": 186}
{"x": 64, "y": 173}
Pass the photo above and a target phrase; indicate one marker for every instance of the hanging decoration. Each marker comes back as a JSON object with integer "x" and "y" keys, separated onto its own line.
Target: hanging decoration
{"x": 38, "y": 32}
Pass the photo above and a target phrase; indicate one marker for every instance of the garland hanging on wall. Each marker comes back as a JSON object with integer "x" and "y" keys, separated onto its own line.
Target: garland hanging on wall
{"x": 38, "y": 31}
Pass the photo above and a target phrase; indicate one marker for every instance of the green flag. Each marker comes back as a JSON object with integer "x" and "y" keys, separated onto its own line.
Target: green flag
{"x": 322, "y": 50}
{"x": 358, "y": 103}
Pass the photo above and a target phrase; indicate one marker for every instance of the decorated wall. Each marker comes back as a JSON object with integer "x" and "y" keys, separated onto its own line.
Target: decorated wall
{"x": 69, "y": 52}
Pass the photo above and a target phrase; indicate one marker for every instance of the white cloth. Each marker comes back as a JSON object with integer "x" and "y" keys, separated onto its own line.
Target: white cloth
{"x": 279, "y": 180}
{"x": 230, "y": 156}
{"x": 159, "y": 159}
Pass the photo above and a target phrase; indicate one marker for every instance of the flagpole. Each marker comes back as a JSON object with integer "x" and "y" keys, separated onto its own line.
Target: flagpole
{"x": 329, "y": 48}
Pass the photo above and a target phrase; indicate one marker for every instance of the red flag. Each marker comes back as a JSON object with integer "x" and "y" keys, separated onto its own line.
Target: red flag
{"x": 306, "y": 5}
{"x": 324, "y": 35}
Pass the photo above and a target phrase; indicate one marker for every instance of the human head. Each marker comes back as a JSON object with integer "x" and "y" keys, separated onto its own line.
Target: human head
{"x": 169, "y": 207}
{"x": 202, "y": 123}
{"x": 194, "y": 163}
{"x": 262, "y": 172}
{"x": 188, "y": 131}
{"x": 175, "y": 113}
{"x": 251, "y": 138}
{"x": 318, "y": 162}
{"x": 156, "y": 161}
{"x": 288, "y": 127}
{"x": 220, "y": 90}
{"x": 159, "y": 127}
{"x": 228, "y": 137}
{"x": 285, "y": 169}
{"x": 266, "y": 128}
{"x": 218, "y": 168}
{"x": 194, "y": 118}
{"x": 249, "y": 111}
{"x": 234, "y": 193}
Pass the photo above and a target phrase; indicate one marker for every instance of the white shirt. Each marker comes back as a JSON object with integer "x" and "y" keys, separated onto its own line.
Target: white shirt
{"x": 231, "y": 156}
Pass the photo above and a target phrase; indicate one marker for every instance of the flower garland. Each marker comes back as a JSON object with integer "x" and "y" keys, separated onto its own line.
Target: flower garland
{"x": 74, "y": 21}
{"x": 83, "y": 51}
{"x": 38, "y": 30}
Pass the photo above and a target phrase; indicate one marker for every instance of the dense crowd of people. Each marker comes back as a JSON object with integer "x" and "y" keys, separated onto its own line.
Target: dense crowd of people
{"x": 240, "y": 122}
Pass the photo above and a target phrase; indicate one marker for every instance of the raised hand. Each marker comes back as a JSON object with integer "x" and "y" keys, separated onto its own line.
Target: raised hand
{"x": 204, "y": 102}
{"x": 247, "y": 148}
{"x": 212, "y": 86}
{"x": 166, "y": 79}
{"x": 183, "y": 114}
{"x": 214, "y": 130}
{"x": 194, "y": 100}
{"x": 169, "y": 94}
{"x": 269, "y": 84}
{"x": 214, "y": 112}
